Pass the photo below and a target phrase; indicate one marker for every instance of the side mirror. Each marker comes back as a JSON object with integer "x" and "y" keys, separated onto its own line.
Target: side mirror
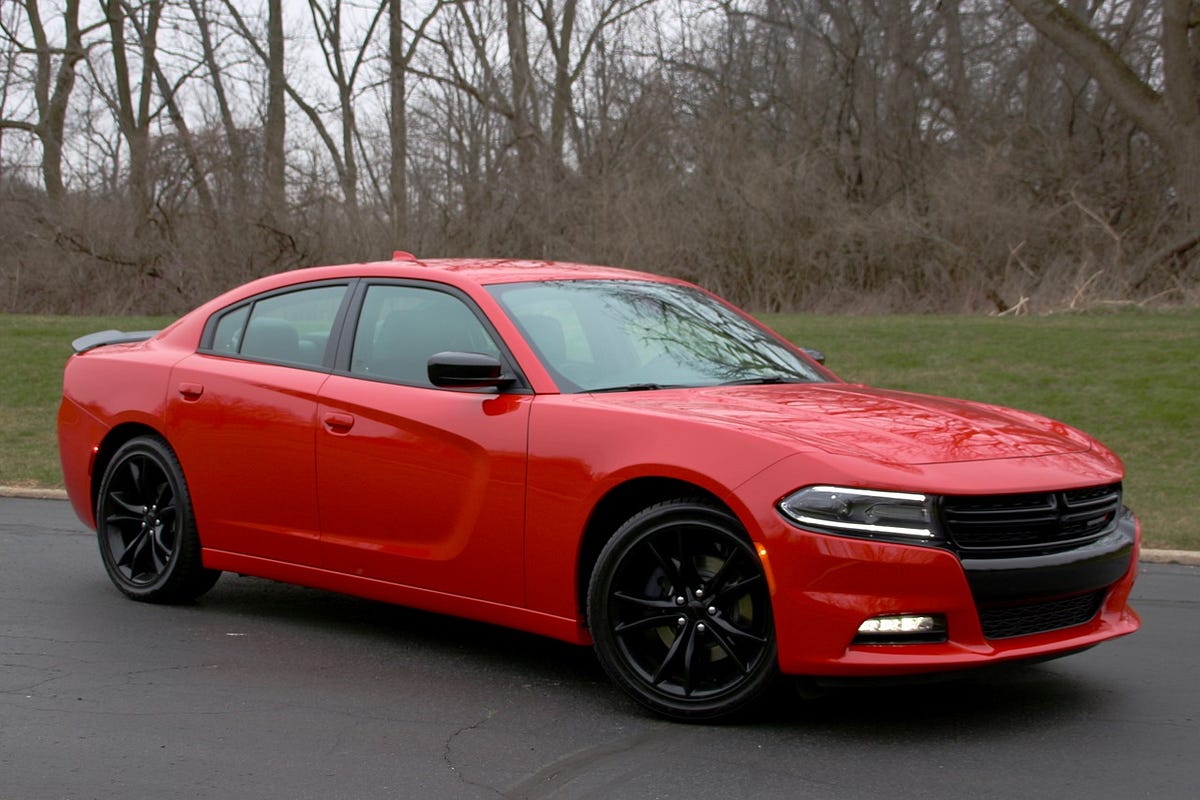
{"x": 815, "y": 355}
{"x": 453, "y": 370}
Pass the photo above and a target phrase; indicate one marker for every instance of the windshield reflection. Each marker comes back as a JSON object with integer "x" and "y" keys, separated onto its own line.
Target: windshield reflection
{"x": 606, "y": 335}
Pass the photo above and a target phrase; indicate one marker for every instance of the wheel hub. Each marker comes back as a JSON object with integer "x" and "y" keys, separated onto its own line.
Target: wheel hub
{"x": 151, "y": 520}
{"x": 694, "y": 608}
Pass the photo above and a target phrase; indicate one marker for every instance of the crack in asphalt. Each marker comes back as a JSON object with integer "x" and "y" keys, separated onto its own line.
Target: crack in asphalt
{"x": 448, "y": 755}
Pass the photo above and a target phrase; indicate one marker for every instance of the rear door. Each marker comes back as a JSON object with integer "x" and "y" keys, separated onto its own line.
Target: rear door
{"x": 242, "y": 419}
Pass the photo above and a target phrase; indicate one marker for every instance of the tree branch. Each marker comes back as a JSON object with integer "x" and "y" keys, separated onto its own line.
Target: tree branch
{"x": 1133, "y": 96}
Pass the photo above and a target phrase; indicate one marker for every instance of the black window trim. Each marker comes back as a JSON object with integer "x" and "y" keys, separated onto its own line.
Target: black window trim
{"x": 349, "y": 325}
{"x": 331, "y": 349}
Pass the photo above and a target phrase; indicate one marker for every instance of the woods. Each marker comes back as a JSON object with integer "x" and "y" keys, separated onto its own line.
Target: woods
{"x": 828, "y": 155}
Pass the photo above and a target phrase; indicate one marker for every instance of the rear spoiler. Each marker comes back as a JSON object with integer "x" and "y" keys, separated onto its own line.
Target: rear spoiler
{"x": 102, "y": 338}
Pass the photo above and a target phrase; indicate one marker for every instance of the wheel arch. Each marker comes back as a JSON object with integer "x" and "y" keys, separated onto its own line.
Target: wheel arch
{"x": 615, "y": 507}
{"x": 108, "y": 447}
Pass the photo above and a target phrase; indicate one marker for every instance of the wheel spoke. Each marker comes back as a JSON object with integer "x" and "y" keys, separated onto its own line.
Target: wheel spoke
{"x": 676, "y": 649}
{"x": 687, "y": 564}
{"x": 739, "y": 588}
{"x": 137, "y": 474}
{"x": 633, "y": 626}
{"x": 668, "y": 567}
{"x": 160, "y": 554}
{"x": 132, "y": 548}
{"x": 647, "y": 603}
{"x": 134, "y": 508}
{"x": 166, "y": 534}
{"x": 689, "y": 662}
{"x": 163, "y": 494}
{"x": 718, "y": 634}
{"x": 716, "y": 584}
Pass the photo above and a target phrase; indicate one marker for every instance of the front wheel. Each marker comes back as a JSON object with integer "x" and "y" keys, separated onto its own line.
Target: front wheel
{"x": 145, "y": 526}
{"x": 680, "y": 612}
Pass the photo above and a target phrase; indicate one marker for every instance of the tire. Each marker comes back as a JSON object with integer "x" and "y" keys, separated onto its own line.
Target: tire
{"x": 680, "y": 613}
{"x": 145, "y": 526}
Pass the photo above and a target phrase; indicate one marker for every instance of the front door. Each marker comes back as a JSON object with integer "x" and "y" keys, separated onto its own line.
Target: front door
{"x": 418, "y": 485}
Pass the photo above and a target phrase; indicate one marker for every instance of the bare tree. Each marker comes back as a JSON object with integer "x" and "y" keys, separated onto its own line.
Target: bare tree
{"x": 398, "y": 122}
{"x": 169, "y": 93}
{"x": 134, "y": 113}
{"x": 1170, "y": 116}
{"x": 51, "y": 84}
{"x": 234, "y": 136}
{"x": 276, "y": 119}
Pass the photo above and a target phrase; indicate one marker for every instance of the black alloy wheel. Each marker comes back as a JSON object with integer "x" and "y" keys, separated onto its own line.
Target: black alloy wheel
{"x": 145, "y": 526}
{"x": 680, "y": 612}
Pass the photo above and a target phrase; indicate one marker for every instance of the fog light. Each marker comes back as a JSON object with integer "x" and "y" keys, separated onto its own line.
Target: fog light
{"x": 901, "y": 628}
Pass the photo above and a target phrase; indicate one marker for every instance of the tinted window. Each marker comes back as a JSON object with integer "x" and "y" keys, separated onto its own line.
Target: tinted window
{"x": 229, "y": 330}
{"x": 400, "y": 327}
{"x": 293, "y": 328}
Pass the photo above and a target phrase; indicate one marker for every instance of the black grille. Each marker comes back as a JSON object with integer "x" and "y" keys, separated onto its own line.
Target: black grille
{"x": 1002, "y": 622}
{"x": 1024, "y": 524}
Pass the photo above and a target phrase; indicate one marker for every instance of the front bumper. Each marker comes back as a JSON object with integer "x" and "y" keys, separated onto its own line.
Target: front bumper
{"x": 825, "y": 586}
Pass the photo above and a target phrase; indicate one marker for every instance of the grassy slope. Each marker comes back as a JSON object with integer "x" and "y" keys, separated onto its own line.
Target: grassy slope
{"x": 1131, "y": 379}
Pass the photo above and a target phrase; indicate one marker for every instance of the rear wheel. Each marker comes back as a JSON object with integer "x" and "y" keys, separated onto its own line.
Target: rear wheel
{"x": 680, "y": 612}
{"x": 145, "y": 526}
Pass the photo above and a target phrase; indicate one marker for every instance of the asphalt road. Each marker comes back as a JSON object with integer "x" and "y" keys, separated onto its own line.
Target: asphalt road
{"x": 270, "y": 691}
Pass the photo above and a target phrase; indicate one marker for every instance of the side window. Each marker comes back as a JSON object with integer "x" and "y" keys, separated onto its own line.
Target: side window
{"x": 293, "y": 328}
{"x": 229, "y": 330}
{"x": 400, "y": 327}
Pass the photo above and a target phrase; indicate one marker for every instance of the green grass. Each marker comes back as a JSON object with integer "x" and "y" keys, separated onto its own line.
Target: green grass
{"x": 33, "y": 350}
{"x": 1132, "y": 379}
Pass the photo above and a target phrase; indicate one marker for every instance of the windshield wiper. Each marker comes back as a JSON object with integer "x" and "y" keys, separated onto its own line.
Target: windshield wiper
{"x": 631, "y": 387}
{"x": 762, "y": 380}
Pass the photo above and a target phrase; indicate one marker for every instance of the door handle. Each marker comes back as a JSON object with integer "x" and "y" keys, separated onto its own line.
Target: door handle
{"x": 338, "y": 423}
{"x": 191, "y": 391}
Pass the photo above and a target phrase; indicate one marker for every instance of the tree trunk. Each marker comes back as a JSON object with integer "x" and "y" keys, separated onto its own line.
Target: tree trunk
{"x": 398, "y": 126}
{"x": 134, "y": 121}
{"x": 52, "y": 93}
{"x": 524, "y": 130}
{"x": 1185, "y": 158}
{"x": 273, "y": 152}
{"x": 562, "y": 83}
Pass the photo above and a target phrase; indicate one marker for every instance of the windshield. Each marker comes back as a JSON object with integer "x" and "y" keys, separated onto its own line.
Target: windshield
{"x": 606, "y": 335}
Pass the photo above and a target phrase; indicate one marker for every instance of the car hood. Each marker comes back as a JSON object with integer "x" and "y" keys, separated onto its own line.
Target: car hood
{"x": 885, "y": 425}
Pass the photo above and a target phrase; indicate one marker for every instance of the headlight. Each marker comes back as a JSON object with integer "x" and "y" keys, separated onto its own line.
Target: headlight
{"x": 862, "y": 512}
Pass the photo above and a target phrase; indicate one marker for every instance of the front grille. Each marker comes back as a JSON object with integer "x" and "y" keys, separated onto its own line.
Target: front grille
{"x": 1026, "y": 524}
{"x": 1002, "y": 622}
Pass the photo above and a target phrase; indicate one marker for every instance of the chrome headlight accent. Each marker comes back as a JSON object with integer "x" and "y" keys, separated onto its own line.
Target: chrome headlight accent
{"x": 903, "y": 516}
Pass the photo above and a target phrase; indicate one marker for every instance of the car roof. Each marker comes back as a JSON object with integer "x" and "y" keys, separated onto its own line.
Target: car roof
{"x": 482, "y": 271}
{"x": 462, "y": 273}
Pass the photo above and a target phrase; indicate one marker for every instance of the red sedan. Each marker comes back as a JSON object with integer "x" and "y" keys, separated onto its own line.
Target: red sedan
{"x": 602, "y": 456}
